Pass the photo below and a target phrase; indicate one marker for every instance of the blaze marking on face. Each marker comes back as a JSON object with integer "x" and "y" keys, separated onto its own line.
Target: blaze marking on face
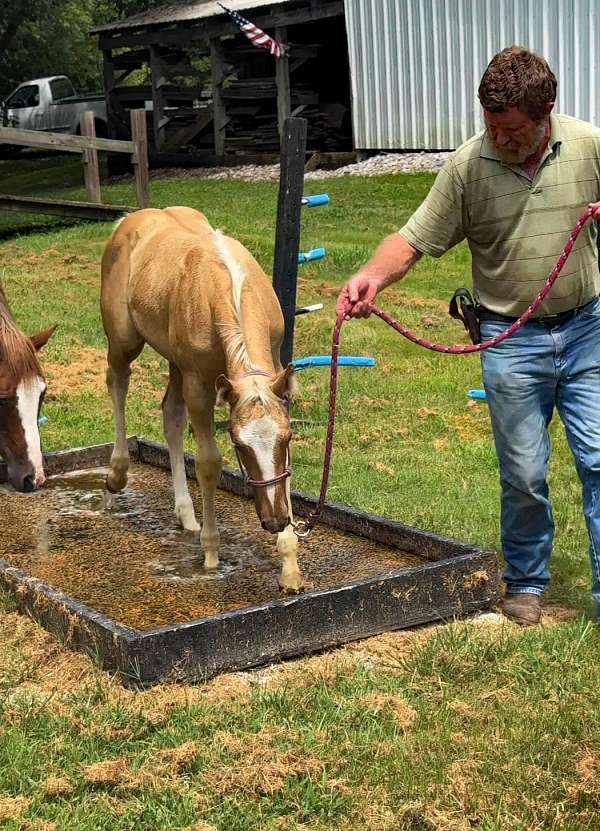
{"x": 28, "y": 403}
{"x": 261, "y": 435}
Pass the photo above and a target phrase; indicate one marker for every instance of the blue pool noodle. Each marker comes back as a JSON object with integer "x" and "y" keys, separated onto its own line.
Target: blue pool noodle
{"x": 325, "y": 360}
{"x": 313, "y": 254}
{"x": 315, "y": 200}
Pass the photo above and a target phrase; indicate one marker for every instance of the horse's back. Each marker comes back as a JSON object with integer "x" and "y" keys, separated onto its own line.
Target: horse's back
{"x": 170, "y": 272}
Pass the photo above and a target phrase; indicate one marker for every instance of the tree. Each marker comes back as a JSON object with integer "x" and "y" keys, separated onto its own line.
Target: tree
{"x": 51, "y": 37}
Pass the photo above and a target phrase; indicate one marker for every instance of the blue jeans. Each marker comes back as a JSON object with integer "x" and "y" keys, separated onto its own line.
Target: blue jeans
{"x": 525, "y": 378}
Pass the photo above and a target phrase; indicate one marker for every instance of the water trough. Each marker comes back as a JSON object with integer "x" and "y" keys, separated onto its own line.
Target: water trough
{"x": 129, "y": 587}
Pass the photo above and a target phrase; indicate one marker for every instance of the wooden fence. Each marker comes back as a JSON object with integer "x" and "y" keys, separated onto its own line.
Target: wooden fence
{"x": 87, "y": 144}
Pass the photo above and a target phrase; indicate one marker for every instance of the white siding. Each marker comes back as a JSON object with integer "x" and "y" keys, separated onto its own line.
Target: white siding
{"x": 416, "y": 64}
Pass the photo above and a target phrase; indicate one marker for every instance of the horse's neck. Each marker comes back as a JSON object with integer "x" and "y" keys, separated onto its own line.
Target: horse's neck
{"x": 247, "y": 340}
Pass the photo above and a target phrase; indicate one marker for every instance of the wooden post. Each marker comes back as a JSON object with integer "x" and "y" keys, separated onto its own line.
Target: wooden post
{"x": 287, "y": 234}
{"x": 139, "y": 157}
{"x": 91, "y": 171}
{"x": 113, "y": 161}
{"x": 282, "y": 77}
{"x": 159, "y": 79}
{"x": 218, "y": 75}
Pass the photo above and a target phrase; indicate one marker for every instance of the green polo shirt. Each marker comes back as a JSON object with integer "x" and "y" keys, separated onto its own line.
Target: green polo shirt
{"x": 517, "y": 227}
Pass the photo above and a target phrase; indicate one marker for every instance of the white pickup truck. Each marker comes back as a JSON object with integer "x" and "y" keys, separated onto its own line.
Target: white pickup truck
{"x": 50, "y": 104}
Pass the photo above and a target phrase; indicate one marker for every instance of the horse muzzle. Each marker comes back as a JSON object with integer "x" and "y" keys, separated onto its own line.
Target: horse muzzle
{"x": 24, "y": 479}
{"x": 275, "y": 524}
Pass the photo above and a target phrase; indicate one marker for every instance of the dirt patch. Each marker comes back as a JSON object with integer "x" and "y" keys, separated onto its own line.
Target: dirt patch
{"x": 462, "y": 709}
{"x": 57, "y": 786}
{"x": 86, "y": 371}
{"x": 471, "y": 426}
{"x": 398, "y": 707}
{"x": 108, "y": 772}
{"x": 555, "y": 613}
{"x": 12, "y": 807}
{"x": 588, "y": 772}
{"x": 161, "y": 771}
{"x": 257, "y": 766}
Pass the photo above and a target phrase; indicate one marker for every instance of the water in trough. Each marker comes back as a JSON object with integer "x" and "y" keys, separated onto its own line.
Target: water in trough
{"x": 138, "y": 567}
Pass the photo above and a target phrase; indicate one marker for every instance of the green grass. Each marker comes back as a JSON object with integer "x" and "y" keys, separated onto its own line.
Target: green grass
{"x": 471, "y": 727}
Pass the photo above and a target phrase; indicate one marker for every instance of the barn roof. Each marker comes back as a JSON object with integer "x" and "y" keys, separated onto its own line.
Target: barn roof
{"x": 184, "y": 12}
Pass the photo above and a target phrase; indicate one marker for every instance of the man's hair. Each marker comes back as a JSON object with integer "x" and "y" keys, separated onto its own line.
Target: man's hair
{"x": 519, "y": 78}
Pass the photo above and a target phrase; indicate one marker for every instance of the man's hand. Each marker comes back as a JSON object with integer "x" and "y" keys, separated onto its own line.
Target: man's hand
{"x": 390, "y": 262}
{"x": 357, "y": 296}
{"x": 595, "y": 206}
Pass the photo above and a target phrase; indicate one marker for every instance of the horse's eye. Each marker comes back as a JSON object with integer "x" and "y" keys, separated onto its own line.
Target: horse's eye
{"x": 6, "y": 399}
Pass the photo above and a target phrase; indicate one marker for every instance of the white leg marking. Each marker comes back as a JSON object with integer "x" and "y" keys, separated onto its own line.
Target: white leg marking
{"x": 28, "y": 403}
{"x": 261, "y": 435}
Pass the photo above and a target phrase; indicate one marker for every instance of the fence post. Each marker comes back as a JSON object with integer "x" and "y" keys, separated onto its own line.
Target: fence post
{"x": 287, "y": 234}
{"x": 91, "y": 170}
{"x": 139, "y": 157}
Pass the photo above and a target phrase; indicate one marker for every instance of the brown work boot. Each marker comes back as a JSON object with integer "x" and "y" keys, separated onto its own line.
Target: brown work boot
{"x": 524, "y": 608}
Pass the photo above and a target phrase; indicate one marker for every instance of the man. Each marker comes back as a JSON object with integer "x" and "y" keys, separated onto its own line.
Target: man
{"x": 514, "y": 192}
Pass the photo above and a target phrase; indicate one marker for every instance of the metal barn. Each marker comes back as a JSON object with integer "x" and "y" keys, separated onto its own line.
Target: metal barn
{"x": 367, "y": 74}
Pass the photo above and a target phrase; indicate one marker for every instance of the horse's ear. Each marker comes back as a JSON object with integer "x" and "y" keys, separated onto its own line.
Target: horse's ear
{"x": 284, "y": 385}
{"x": 224, "y": 389}
{"x": 42, "y": 338}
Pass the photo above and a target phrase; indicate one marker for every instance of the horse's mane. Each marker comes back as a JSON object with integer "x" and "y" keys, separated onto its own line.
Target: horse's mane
{"x": 233, "y": 333}
{"x": 15, "y": 348}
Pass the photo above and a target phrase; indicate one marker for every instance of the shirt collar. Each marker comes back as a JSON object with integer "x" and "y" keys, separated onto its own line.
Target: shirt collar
{"x": 488, "y": 151}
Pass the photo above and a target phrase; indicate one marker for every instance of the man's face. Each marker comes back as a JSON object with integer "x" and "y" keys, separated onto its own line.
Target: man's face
{"x": 514, "y": 135}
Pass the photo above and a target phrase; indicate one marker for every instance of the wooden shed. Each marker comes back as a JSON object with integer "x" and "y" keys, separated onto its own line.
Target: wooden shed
{"x": 211, "y": 96}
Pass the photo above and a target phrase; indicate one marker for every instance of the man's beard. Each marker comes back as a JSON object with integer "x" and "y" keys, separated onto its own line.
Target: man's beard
{"x": 520, "y": 154}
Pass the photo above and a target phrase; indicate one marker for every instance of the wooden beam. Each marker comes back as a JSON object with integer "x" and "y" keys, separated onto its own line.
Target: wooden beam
{"x": 139, "y": 157}
{"x": 91, "y": 170}
{"x": 219, "y": 112}
{"x": 287, "y": 233}
{"x": 282, "y": 78}
{"x": 187, "y": 133}
{"x": 159, "y": 80}
{"x": 61, "y": 141}
{"x": 56, "y": 207}
{"x": 108, "y": 73}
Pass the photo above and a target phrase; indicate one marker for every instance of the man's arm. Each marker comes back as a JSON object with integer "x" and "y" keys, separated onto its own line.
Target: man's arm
{"x": 390, "y": 262}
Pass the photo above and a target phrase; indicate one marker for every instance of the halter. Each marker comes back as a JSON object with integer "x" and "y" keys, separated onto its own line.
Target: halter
{"x": 262, "y": 483}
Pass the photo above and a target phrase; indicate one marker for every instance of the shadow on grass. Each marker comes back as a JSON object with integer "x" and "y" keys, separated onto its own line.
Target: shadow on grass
{"x": 26, "y": 230}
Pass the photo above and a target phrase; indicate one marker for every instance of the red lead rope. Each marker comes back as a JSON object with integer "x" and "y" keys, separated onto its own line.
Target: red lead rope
{"x": 304, "y": 527}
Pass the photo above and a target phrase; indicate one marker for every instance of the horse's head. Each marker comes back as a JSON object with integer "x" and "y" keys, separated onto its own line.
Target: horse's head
{"x": 22, "y": 389}
{"x": 259, "y": 425}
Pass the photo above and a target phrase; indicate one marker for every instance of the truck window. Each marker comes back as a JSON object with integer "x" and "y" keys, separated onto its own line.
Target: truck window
{"x": 61, "y": 88}
{"x": 28, "y": 96}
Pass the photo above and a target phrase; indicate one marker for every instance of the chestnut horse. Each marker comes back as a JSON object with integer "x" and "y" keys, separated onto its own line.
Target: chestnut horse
{"x": 22, "y": 390}
{"x": 201, "y": 300}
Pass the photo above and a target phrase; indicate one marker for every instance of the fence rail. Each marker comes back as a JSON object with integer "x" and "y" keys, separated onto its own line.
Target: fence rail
{"x": 88, "y": 145}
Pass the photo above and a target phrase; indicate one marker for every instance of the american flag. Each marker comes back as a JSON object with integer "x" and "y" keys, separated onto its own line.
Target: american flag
{"x": 255, "y": 35}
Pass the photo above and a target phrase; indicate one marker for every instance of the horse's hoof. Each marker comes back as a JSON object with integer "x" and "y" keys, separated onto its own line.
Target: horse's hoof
{"x": 187, "y": 518}
{"x": 107, "y": 502}
{"x": 211, "y": 563}
{"x": 293, "y": 584}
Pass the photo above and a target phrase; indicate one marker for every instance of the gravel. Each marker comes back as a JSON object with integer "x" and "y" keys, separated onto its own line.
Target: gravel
{"x": 379, "y": 165}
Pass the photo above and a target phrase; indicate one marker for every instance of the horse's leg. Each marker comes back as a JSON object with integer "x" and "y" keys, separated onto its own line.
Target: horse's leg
{"x": 174, "y": 422}
{"x": 290, "y": 579}
{"x": 117, "y": 380}
{"x": 200, "y": 399}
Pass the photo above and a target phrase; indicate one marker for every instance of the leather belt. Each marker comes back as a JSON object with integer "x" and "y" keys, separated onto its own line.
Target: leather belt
{"x": 545, "y": 320}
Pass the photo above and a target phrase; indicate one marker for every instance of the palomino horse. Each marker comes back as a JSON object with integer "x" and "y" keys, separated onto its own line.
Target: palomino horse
{"x": 22, "y": 389}
{"x": 201, "y": 300}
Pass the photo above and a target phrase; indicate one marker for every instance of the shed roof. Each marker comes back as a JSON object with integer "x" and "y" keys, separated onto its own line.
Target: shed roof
{"x": 182, "y": 12}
